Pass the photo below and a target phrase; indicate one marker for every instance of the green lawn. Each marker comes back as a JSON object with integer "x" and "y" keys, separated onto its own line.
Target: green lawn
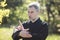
{"x": 5, "y": 34}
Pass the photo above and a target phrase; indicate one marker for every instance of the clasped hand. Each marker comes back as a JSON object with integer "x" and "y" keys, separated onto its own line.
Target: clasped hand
{"x": 25, "y": 34}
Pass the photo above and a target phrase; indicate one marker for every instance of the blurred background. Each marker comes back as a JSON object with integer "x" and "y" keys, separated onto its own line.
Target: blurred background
{"x": 11, "y": 11}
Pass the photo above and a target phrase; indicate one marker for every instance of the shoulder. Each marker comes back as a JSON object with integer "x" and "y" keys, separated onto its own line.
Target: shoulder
{"x": 44, "y": 23}
{"x": 25, "y": 23}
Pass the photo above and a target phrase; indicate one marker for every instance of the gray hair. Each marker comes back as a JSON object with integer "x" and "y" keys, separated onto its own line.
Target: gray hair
{"x": 35, "y": 5}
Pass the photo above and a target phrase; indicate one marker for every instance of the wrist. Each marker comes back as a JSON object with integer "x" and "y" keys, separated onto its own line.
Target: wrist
{"x": 20, "y": 33}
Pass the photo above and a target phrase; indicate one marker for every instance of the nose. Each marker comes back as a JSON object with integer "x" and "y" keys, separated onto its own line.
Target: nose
{"x": 29, "y": 13}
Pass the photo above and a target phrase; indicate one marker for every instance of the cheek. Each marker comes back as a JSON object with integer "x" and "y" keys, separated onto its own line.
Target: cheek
{"x": 34, "y": 14}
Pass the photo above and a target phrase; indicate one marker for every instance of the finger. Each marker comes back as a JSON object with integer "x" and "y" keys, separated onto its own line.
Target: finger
{"x": 21, "y": 25}
{"x": 26, "y": 29}
{"x": 27, "y": 36}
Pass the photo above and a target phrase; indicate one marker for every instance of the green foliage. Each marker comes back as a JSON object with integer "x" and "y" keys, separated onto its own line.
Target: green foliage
{"x": 13, "y": 14}
{"x": 4, "y": 13}
{"x": 18, "y": 11}
{"x": 14, "y": 3}
{"x": 3, "y": 3}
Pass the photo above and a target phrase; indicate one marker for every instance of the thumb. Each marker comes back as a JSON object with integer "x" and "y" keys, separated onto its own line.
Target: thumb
{"x": 21, "y": 25}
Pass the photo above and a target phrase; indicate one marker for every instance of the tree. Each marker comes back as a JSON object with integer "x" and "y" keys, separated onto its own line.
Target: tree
{"x": 51, "y": 12}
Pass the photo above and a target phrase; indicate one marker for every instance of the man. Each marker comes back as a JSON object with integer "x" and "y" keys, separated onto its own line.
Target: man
{"x": 34, "y": 29}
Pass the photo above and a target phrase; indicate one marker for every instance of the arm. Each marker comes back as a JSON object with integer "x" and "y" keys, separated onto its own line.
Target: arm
{"x": 17, "y": 30}
{"x": 25, "y": 34}
{"x": 41, "y": 34}
{"x": 16, "y": 36}
{"x": 21, "y": 33}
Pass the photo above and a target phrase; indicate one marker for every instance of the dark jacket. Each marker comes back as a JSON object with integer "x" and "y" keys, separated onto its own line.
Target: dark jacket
{"x": 38, "y": 30}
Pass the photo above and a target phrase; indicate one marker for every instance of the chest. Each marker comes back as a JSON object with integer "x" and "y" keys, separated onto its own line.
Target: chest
{"x": 34, "y": 27}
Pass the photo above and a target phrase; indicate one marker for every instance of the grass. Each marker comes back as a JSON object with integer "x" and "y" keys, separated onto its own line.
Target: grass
{"x": 53, "y": 37}
{"x": 5, "y": 34}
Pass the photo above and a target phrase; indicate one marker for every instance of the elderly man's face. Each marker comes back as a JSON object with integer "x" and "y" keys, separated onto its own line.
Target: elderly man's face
{"x": 32, "y": 13}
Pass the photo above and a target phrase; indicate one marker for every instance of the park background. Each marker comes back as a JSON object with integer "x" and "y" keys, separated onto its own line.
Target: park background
{"x": 11, "y": 11}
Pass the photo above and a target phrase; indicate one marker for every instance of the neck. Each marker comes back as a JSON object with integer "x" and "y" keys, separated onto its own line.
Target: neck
{"x": 34, "y": 19}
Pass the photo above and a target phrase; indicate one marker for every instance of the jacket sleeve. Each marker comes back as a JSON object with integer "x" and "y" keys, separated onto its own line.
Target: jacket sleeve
{"x": 16, "y": 36}
{"x": 42, "y": 35}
